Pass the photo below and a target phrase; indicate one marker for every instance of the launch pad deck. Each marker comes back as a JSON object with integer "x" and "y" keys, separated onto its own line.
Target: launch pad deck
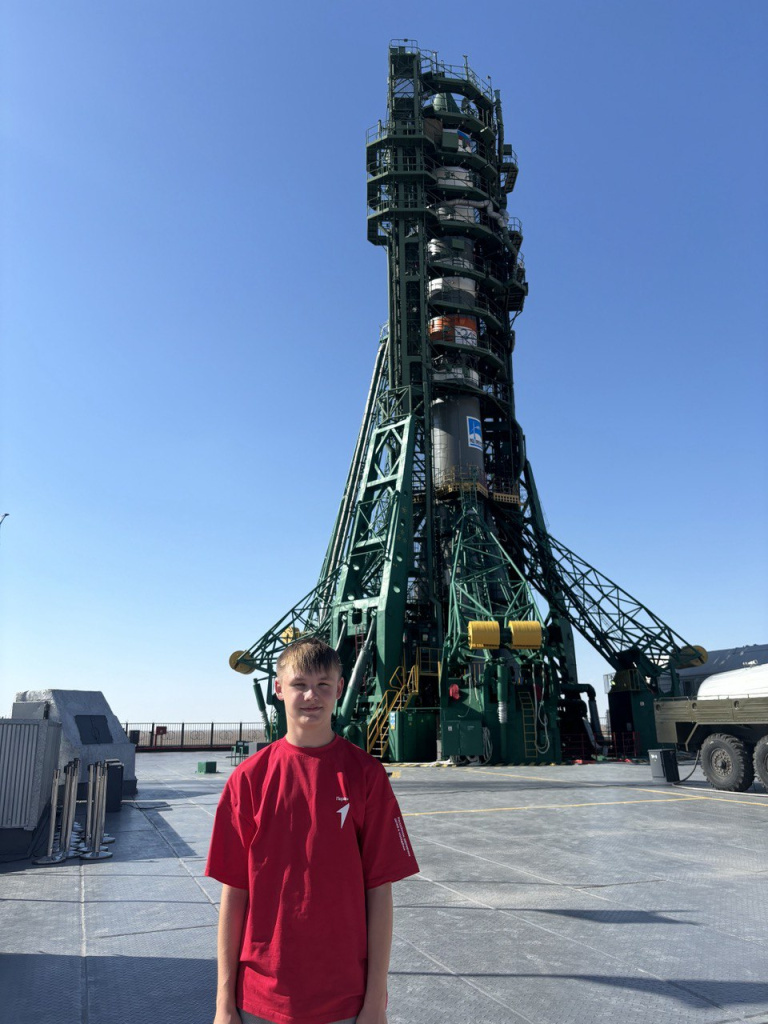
{"x": 587, "y": 894}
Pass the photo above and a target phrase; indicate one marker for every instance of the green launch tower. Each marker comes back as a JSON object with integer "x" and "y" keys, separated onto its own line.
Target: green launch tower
{"x": 427, "y": 587}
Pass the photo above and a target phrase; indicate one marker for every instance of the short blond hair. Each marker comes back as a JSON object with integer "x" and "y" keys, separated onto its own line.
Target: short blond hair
{"x": 308, "y": 656}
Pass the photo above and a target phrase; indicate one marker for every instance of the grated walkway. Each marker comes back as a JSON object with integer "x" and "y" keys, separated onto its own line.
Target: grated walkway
{"x": 554, "y": 895}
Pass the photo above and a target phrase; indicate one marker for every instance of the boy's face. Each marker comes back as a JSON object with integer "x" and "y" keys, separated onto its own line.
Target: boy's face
{"x": 309, "y": 702}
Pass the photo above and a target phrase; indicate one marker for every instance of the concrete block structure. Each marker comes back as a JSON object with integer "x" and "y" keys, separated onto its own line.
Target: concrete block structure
{"x": 90, "y": 730}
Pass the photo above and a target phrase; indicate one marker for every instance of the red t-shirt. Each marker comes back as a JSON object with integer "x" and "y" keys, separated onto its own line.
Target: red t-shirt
{"x": 306, "y": 830}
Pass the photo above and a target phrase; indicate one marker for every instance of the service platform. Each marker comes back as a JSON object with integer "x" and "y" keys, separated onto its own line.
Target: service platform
{"x": 584, "y": 894}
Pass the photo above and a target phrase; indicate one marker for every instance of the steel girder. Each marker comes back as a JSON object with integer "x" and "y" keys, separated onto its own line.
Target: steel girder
{"x": 485, "y": 582}
{"x": 619, "y": 626}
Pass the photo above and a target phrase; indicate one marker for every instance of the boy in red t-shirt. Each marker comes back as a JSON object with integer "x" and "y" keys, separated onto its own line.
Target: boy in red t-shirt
{"x": 307, "y": 841}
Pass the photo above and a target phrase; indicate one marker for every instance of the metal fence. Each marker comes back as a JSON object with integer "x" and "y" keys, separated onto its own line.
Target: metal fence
{"x": 192, "y": 735}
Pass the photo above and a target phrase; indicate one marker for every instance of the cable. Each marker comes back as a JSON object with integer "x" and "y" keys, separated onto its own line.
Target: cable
{"x": 544, "y": 719}
{"x": 487, "y": 745}
{"x": 539, "y": 713}
{"x": 695, "y": 766}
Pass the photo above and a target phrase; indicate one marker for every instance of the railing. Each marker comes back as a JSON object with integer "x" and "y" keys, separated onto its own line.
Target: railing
{"x": 459, "y": 479}
{"x": 389, "y": 203}
{"x": 576, "y": 747}
{"x": 492, "y": 346}
{"x": 393, "y": 700}
{"x": 466, "y": 212}
{"x": 87, "y": 841}
{"x": 399, "y": 126}
{"x": 406, "y": 45}
{"x": 505, "y": 490}
{"x": 411, "y": 127}
{"x": 460, "y": 263}
{"x": 389, "y": 161}
{"x": 431, "y": 65}
{"x": 495, "y": 389}
{"x": 515, "y": 226}
{"x": 428, "y": 660}
{"x": 457, "y": 72}
{"x": 459, "y": 298}
{"x": 158, "y": 736}
{"x": 625, "y": 744}
{"x": 465, "y": 180}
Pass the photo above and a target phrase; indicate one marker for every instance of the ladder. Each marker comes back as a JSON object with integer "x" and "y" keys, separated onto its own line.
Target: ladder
{"x": 529, "y": 725}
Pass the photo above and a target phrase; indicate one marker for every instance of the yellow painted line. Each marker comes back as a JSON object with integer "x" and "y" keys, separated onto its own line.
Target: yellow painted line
{"x": 509, "y": 775}
{"x": 721, "y": 799}
{"x": 640, "y": 789}
{"x": 394, "y": 775}
{"x": 551, "y": 807}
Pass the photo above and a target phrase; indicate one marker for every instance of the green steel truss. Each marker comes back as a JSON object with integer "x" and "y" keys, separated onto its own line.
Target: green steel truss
{"x": 311, "y": 615}
{"x": 485, "y": 583}
{"x": 375, "y": 575}
{"x": 338, "y": 547}
{"x": 620, "y": 627}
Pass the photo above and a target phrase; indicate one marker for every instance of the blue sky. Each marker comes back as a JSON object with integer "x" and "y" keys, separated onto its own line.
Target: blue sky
{"x": 190, "y": 312}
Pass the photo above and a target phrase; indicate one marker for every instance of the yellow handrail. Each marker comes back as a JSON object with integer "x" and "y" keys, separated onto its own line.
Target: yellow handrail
{"x": 393, "y": 699}
{"x": 381, "y": 714}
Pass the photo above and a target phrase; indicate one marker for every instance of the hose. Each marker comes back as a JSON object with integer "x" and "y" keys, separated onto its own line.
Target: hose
{"x": 540, "y": 716}
{"x": 695, "y": 766}
{"x": 487, "y": 746}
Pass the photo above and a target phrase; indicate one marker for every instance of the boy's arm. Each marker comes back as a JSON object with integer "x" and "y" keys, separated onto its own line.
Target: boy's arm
{"x": 379, "y": 907}
{"x": 234, "y": 905}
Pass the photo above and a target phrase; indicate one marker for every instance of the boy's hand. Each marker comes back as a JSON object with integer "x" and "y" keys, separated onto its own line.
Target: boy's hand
{"x": 370, "y": 1016}
{"x": 378, "y": 904}
{"x": 227, "y": 1016}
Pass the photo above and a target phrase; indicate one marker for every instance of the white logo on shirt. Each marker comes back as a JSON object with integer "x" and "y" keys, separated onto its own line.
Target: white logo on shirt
{"x": 343, "y": 811}
{"x": 402, "y": 836}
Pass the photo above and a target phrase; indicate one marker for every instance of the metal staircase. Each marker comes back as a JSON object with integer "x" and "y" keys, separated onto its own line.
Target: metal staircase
{"x": 397, "y": 697}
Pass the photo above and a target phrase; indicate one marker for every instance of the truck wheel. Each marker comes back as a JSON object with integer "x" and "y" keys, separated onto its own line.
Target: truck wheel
{"x": 726, "y": 763}
{"x": 761, "y": 760}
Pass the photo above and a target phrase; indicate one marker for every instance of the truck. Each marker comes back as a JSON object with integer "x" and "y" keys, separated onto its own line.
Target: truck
{"x": 726, "y": 724}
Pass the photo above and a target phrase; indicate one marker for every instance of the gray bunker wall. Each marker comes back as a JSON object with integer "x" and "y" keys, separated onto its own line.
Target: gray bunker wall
{"x": 89, "y": 728}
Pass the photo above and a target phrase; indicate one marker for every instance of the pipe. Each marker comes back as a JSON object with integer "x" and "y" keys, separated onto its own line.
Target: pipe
{"x": 261, "y": 706}
{"x": 502, "y": 675}
{"x": 356, "y": 679}
{"x": 342, "y": 633}
{"x": 65, "y": 834}
{"x": 100, "y": 800}
{"x": 88, "y": 843}
{"x": 51, "y": 857}
{"x": 100, "y": 808}
{"x": 589, "y": 732}
{"x": 64, "y": 815}
{"x": 72, "y": 773}
{"x": 105, "y": 837}
{"x": 594, "y": 718}
{"x": 54, "y": 807}
{"x": 101, "y": 803}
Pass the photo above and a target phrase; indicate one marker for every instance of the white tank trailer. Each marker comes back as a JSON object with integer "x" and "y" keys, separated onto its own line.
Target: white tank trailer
{"x": 726, "y": 723}
{"x": 738, "y": 684}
